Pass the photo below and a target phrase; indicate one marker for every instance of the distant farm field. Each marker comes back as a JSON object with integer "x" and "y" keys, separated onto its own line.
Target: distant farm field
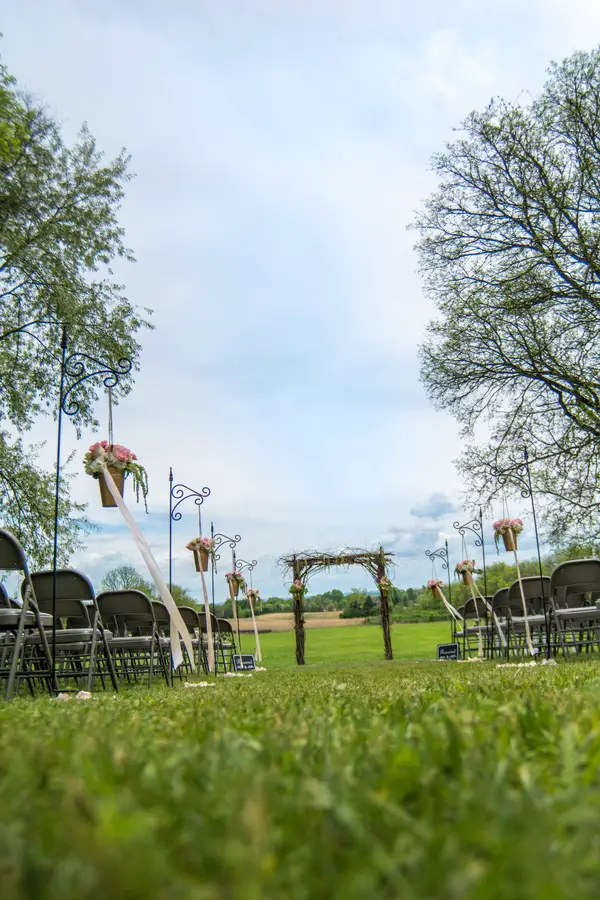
{"x": 348, "y": 645}
{"x": 285, "y": 621}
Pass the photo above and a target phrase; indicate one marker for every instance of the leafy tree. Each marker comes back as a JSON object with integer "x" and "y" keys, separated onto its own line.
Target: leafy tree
{"x": 227, "y": 610}
{"x": 510, "y": 251}
{"x": 183, "y": 597}
{"x": 358, "y": 605}
{"x": 126, "y": 578}
{"x": 59, "y": 235}
{"x": 336, "y": 597}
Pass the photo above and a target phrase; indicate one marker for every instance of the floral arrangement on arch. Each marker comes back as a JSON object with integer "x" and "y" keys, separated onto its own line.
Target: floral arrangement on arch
{"x": 508, "y": 529}
{"x": 117, "y": 459}
{"x": 384, "y": 583}
{"x": 298, "y": 588}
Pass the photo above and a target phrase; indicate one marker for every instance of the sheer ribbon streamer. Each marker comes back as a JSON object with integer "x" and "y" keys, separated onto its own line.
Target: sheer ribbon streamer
{"x": 178, "y": 629}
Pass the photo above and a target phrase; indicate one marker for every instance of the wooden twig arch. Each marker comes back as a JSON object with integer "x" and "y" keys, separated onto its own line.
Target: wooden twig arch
{"x": 301, "y": 566}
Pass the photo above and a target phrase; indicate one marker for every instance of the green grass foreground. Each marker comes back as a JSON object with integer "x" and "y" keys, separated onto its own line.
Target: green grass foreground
{"x": 362, "y": 643}
{"x": 402, "y": 780}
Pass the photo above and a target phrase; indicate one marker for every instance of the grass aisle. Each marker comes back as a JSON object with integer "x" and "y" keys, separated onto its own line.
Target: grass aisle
{"x": 363, "y": 643}
{"x": 412, "y": 780}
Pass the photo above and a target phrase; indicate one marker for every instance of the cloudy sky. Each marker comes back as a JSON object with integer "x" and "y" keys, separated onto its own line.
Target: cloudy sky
{"x": 281, "y": 148}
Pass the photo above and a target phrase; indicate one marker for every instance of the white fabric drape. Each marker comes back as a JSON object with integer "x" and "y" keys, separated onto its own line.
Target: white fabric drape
{"x": 258, "y": 653}
{"x": 209, "y": 631}
{"x": 178, "y": 627}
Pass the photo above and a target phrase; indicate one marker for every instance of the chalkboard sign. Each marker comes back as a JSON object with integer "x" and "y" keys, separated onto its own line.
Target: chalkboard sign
{"x": 244, "y": 663}
{"x": 448, "y": 651}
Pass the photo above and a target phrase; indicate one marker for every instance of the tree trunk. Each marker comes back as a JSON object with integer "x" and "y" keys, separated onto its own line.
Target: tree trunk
{"x": 385, "y": 624}
{"x": 298, "y": 616}
{"x": 299, "y": 627}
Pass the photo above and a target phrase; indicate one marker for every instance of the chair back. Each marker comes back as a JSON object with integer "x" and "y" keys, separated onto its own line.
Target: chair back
{"x": 4, "y": 598}
{"x": 500, "y": 602}
{"x": 225, "y": 628}
{"x": 572, "y": 579}
{"x": 126, "y": 611}
{"x": 191, "y": 618}
{"x": 536, "y": 590}
{"x": 161, "y": 616}
{"x": 474, "y": 608}
{"x": 12, "y": 555}
{"x": 73, "y": 591}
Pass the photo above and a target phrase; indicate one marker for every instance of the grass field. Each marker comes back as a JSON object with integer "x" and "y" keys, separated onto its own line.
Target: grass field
{"x": 420, "y": 781}
{"x": 343, "y": 645}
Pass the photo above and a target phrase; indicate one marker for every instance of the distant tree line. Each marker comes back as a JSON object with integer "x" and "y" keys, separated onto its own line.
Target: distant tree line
{"x": 413, "y": 604}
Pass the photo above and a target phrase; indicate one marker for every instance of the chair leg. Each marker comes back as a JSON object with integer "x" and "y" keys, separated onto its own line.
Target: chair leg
{"x": 109, "y": 661}
{"x": 18, "y": 648}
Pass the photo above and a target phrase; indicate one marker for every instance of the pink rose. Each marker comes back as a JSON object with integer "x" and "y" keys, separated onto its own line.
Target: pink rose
{"x": 122, "y": 454}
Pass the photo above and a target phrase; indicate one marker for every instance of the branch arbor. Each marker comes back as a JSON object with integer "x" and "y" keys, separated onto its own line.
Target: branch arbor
{"x": 301, "y": 566}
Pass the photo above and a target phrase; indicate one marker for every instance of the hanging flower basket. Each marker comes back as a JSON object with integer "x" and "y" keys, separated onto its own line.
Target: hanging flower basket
{"x": 201, "y": 548}
{"x": 253, "y": 597}
{"x": 466, "y": 568}
{"x": 120, "y": 462}
{"x": 435, "y": 585}
{"x": 508, "y": 530}
{"x": 236, "y": 581}
{"x": 298, "y": 588}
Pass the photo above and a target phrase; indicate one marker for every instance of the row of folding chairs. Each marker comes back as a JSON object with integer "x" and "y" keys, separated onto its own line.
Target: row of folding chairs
{"x": 562, "y": 615}
{"x": 113, "y": 638}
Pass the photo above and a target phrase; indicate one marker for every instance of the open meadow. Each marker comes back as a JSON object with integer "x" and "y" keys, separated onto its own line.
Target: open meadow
{"x": 364, "y": 643}
{"x": 414, "y": 780}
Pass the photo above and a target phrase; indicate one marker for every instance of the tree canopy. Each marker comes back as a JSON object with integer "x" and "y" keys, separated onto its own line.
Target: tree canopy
{"x": 59, "y": 236}
{"x": 127, "y": 578}
{"x": 510, "y": 253}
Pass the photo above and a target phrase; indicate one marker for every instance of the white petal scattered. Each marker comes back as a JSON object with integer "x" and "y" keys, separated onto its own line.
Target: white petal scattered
{"x": 237, "y": 675}
{"x": 524, "y": 665}
{"x": 260, "y": 669}
{"x": 469, "y": 659}
{"x": 83, "y": 695}
{"x": 63, "y": 697}
{"x": 195, "y": 684}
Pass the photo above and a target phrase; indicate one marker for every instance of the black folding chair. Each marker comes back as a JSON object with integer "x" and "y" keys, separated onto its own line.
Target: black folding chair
{"x": 136, "y": 646}
{"x": 80, "y": 629}
{"x": 191, "y": 617}
{"x": 225, "y": 638}
{"x": 574, "y": 590}
{"x": 16, "y": 661}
